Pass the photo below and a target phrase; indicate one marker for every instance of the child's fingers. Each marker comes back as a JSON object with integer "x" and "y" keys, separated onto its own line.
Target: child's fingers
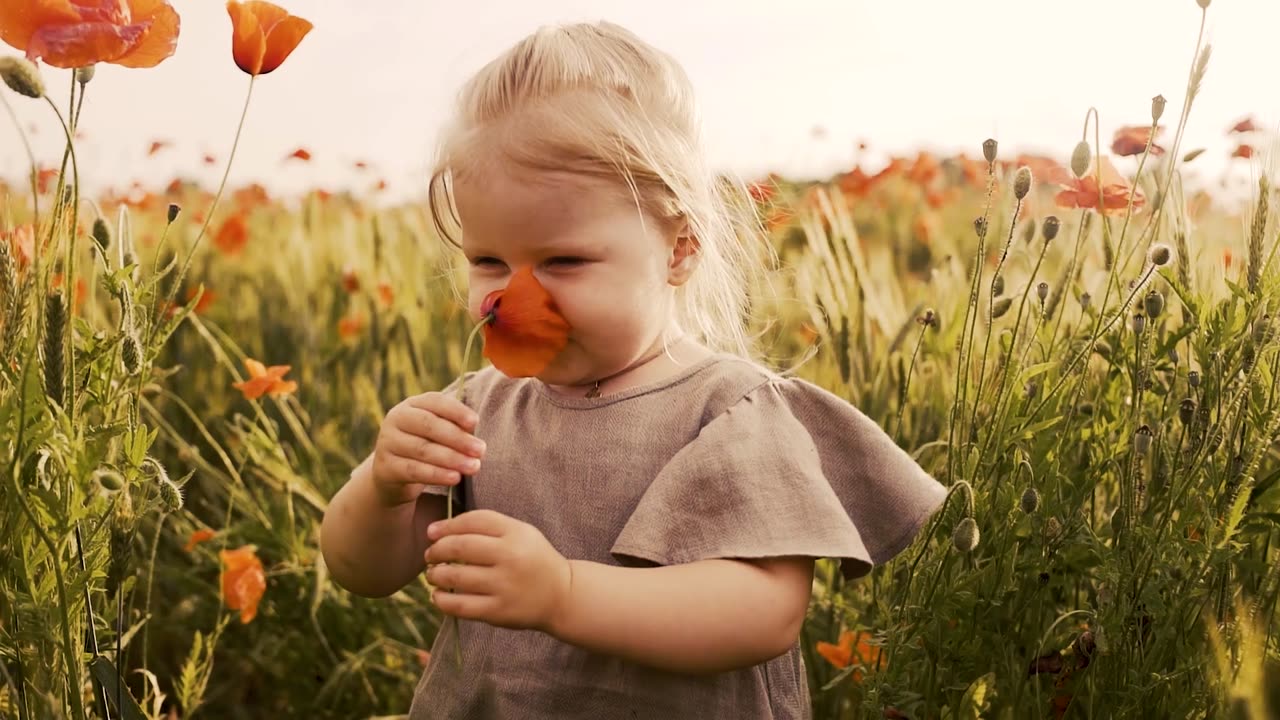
{"x": 467, "y": 607}
{"x": 478, "y": 522}
{"x": 446, "y": 407}
{"x": 423, "y": 450}
{"x": 470, "y": 549}
{"x": 463, "y": 579}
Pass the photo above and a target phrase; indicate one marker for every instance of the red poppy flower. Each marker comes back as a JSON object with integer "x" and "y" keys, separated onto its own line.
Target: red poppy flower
{"x": 1244, "y": 126}
{"x": 1244, "y": 151}
{"x": 526, "y": 331}
{"x": 233, "y": 235}
{"x": 197, "y": 537}
{"x": 263, "y": 35}
{"x": 300, "y": 154}
{"x": 1087, "y": 193}
{"x": 157, "y": 146}
{"x": 243, "y": 581}
{"x": 75, "y": 33}
{"x": 1133, "y": 140}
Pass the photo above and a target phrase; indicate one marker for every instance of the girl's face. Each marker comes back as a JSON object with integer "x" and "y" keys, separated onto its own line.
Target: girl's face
{"x": 611, "y": 274}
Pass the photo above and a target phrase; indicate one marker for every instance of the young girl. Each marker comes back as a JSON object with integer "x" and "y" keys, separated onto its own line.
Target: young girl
{"x": 641, "y": 503}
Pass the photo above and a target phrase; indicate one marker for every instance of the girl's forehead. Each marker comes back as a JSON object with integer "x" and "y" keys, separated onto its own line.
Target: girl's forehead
{"x": 535, "y": 203}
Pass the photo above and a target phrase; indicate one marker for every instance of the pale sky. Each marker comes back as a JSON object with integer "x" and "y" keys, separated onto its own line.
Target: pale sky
{"x": 374, "y": 84}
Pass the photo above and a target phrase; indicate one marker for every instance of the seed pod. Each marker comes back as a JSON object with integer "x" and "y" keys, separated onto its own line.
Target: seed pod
{"x": 1193, "y": 378}
{"x": 1153, "y": 303}
{"x": 1157, "y": 108}
{"x": 1142, "y": 440}
{"x": 1204, "y": 4}
{"x": 174, "y": 209}
{"x": 1052, "y": 528}
{"x": 1022, "y": 182}
{"x": 1187, "y": 410}
{"x": 1031, "y": 389}
{"x": 1030, "y": 500}
{"x": 84, "y": 75}
{"x": 1139, "y": 323}
{"x": 1000, "y": 307}
{"x": 965, "y": 537}
{"x": 1173, "y": 355}
{"x": 1051, "y": 227}
{"x": 989, "y": 147}
{"x": 1085, "y": 298}
{"x": 980, "y": 226}
{"x": 1118, "y": 520}
{"x": 1081, "y": 158}
{"x": 1042, "y": 290}
{"x": 1085, "y": 408}
{"x": 997, "y": 286}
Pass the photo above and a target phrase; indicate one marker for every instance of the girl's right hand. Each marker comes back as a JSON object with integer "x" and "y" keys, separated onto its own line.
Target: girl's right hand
{"x": 425, "y": 440}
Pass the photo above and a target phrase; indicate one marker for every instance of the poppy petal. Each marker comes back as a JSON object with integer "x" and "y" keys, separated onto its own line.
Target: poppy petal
{"x": 282, "y": 40}
{"x": 20, "y": 20}
{"x": 160, "y": 39}
{"x": 248, "y": 42}
{"x": 79, "y": 44}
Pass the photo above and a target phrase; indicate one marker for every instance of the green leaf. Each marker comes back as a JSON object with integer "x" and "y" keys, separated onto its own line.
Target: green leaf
{"x": 1234, "y": 516}
{"x": 106, "y": 678}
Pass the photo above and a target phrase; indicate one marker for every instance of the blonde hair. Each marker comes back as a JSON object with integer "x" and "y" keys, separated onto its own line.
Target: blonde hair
{"x": 595, "y": 100}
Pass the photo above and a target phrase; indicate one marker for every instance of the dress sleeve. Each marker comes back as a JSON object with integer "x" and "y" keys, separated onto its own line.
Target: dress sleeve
{"x": 790, "y": 469}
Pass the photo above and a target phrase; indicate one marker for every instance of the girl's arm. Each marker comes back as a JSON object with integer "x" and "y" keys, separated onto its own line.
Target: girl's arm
{"x": 372, "y": 549}
{"x": 702, "y": 617}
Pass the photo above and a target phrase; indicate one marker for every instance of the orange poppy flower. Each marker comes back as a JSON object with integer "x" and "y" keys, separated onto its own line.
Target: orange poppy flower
{"x": 386, "y": 295}
{"x": 233, "y": 235}
{"x": 75, "y": 33}
{"x": 299, "y": 154}
{"x": 265, "y": 380}
{"x": 1244, "y": 151}
{"x": 1087, "y": 193}
{"x": 1133, "y": 140}
{"x": 22, "y": 243}
{"x": 525, "y": 331}
{"x": 197, "y": 537}
{"x": 350, "y": 326}
{"x": 350, "y": 281}
{"x": 243, "y": 581}
{"x": 45, "y": 178}
{"x": 263, "y": 35}
{"x": 853, "y": 648}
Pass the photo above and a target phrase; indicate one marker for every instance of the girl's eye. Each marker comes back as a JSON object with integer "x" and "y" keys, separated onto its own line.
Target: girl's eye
{"x": 567, "y": 261}
{"x": 486, "y": 261}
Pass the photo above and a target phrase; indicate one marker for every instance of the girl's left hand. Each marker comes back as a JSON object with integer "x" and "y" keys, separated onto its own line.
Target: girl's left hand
{"x": 510, "y": 575}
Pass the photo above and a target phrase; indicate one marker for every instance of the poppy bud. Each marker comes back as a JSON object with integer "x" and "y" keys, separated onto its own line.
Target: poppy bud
{"x": 1157, "y": 108}
{"x": 1192, "y": 155}
{"x": 1139, "y": 323}
{"x": 1001, "y": 307}
{"x": 980, "y": 226}
{"x": 174, "y": 209}
{"x": 1050, "y": 229}
{"x": 1042, "y": 290}
{"x": 966, "y": 535}
{"x": 85, "y": 74}
{"x": 1117, "y": 520}
{"x": 1030, "y": 501}
{"x": 1193, "y": 378}
{"x": 1160, "y": 255}
{"x": 55, "y": 324}
{"x": 1153, "y": 303}
{"x": 1081, "y": 158}
{"x": 989, "y": 147}
{"x": 101, "y": 234}
{"x": 1022, "y": 182}
{"x": 131, "y": 353}
{"x": 1186, "y": 410}
{"x": 170, "y": 495}
{"x": 997, "y": 286}
{"x": 1204, "y": 4}
{"x": 1173, "y": 352}
{"x": 21, "y": 76}
{"x": 1142, "y": 440}
{"x": 1031, "y": 389}
{"x": 1084, "y": 300}
{"x": 109, "y": 480}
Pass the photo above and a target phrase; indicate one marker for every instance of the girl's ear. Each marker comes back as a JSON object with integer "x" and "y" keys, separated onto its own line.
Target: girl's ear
{"x": 684, "y": 257}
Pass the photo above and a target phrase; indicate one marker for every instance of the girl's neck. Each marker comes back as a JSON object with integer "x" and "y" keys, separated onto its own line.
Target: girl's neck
{"x": 660, "y": 361}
